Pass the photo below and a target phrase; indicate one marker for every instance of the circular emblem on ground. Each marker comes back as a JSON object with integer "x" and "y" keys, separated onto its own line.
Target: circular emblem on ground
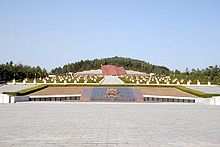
{"x": 112, "y": 92}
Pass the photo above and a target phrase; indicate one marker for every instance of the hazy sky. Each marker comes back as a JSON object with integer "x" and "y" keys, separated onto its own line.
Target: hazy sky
{"x": 51, "y": 33}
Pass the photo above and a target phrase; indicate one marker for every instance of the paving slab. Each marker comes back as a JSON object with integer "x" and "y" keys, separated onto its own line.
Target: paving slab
{"x": 207, "y": 89}
{"x": 112, "y": 80}
{"x": 14, "y": 88}
{"x": 108, "y": 124}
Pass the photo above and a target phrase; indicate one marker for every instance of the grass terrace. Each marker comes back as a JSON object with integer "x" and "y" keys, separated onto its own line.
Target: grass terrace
{"x": 40, "y": 87}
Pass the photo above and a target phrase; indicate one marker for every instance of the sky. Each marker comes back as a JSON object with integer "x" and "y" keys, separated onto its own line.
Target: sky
{"x": 51, "y": 33}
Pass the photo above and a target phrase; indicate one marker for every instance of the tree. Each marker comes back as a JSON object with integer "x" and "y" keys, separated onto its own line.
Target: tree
{"x": 10, "y": 71}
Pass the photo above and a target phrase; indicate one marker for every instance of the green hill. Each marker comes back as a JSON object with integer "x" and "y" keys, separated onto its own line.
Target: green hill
{"x": 127, "y": 63}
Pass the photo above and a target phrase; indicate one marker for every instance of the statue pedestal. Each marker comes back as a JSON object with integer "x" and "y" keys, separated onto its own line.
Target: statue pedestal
{"x": 13, "y": 82}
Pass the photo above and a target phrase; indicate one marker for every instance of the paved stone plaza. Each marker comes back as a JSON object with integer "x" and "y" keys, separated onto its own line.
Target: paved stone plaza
{"x": 14, "y": 88}
{"x": 207, "y": 89}
{"x": 109, "y": 124}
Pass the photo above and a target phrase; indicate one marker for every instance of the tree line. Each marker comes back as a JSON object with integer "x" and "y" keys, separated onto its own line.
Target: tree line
{"x": 9, "y": 71}
{"x": 127, "y": 63}
{"x": 209, "y": 74}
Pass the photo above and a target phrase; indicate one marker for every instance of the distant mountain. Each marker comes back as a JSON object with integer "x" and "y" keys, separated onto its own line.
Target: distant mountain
{"x": 127, "y": 63}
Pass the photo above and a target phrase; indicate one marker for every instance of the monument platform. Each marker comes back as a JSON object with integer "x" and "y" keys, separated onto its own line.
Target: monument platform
{"x": 112, "y": 95}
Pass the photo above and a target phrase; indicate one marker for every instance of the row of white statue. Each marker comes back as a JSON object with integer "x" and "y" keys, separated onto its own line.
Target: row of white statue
{"x": 96, "y": 79}
{"x": 158, "y": 80}
{"x": 63, "y": 79}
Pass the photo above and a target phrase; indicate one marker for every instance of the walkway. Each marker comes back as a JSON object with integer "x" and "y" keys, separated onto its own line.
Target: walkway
{"x": 14, "y": 88}
{"x": 111, "y": 80}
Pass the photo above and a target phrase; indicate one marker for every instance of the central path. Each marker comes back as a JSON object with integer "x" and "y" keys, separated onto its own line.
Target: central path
{"x": 111, "y": 80}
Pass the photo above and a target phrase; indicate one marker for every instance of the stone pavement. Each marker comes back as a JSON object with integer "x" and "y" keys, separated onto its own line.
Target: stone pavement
{"x": 109, "y": 124}
{"x": 207, "y": 89}
{"x": 112, "y": 80}
{"x": 14, "y": 88}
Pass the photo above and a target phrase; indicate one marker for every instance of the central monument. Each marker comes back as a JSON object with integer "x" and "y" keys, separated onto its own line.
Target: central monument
{"x": 111, "y": 70}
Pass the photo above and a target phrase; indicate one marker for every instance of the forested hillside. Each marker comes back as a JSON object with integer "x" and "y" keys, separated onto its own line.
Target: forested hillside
{"x": 127, "y": 63}
{"x": 211, "y": 74}
{"x": 10, "y": 71}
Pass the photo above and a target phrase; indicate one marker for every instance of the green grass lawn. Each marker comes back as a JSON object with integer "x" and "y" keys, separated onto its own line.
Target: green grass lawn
{"x": 39, "y": 87}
